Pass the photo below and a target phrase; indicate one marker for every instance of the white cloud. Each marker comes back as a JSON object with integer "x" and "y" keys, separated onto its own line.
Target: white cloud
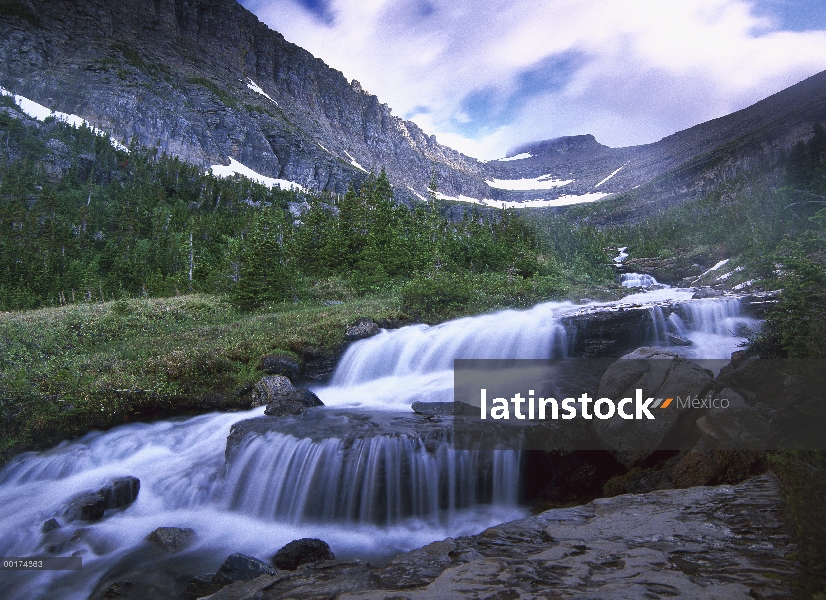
{"x": 641, "y": 69}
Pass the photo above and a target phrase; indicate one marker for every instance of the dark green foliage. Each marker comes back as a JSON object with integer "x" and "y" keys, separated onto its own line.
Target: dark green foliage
{"x": 109, "y": 224}
{"x": 438, "y": 295}
{"x": 265, "y": 273}
{"x": 80, "y": 221}
{"x": 222, "y": 95}
{"x": 803, "y": 477}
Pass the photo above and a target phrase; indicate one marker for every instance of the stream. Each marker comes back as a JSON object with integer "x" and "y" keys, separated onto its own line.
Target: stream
{"x": 369, "y": 497}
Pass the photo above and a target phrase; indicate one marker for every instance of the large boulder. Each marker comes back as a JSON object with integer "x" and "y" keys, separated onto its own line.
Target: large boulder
{"x": 659, "y": 373}
{"x": 90, "y": 506}
{"x": 171, "y": 539}
{"x": 700, "y": 466}
{"x": 270, "y": 388}
{"x": 300, "y": 552}
{"x": 361, "y": 329}
{"x": 280, "y": 364}
{"x": 237, "y": 567}
{"x": 121, "y": 492}
{"x": 282, "y": 398}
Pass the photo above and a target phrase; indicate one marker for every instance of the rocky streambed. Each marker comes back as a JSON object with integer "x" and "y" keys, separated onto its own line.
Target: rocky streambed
{"x": 219, "y": 495}
{"x": 724, "y": 542}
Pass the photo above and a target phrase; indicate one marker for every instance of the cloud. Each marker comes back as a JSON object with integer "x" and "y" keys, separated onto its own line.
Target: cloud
{"x": 487, "y": 76}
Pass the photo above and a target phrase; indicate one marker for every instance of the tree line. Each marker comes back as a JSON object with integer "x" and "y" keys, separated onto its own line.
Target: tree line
{"x": 82, "y": 221}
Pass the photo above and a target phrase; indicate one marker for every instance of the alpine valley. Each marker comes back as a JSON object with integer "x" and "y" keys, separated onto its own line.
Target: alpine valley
{"x": 236, "y": 296}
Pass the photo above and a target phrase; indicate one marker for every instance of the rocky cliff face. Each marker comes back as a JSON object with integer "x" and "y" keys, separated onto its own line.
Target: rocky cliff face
{"x": 205, "y": 80}
{"x": 682, "y": 166}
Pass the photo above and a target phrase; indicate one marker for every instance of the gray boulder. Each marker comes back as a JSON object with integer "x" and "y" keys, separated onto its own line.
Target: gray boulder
{"x": 50, "y": 526}
{"x": 361, "y": 329}
{"x": 275, "y": 364}
{"x": 269, "y": 389}
{"x": 171, "y": 539}
{"x": 121, "y": 492}
{"x": 282, "y": 398}
{"x": 660, "y": 374}
{"x": 90, "y": 506}
{"x": 300, "y": 552}
{"x": 237, "y": 567}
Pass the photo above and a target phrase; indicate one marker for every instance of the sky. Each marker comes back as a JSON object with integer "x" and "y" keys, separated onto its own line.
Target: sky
{"x": 487, "y": 76}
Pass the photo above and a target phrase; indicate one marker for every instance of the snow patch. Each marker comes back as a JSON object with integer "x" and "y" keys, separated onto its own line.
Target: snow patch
{"x": 417, "y": 194}
{"x": 729, "y": 274}
{"x": 543, "y": 182}
{"x": 540, "y": 203}
{"x": 236, "y": 168}
{"x": 41, "y": 113}
{"x": 522, "y": 156}
{"x": 323, "y": 148}
{"x": 354, "y": 163}
{"x": 257, "y": 89}
{"x": 744, "y": 285}
{"x": 714, "y": 268}
{"x": 609, "y": 177}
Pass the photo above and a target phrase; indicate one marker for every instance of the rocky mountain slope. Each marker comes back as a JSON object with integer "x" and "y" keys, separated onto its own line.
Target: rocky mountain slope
{"x": 206, "y": 81}
{"x": 185, "y": 76}
{"x": 682, "y": 166}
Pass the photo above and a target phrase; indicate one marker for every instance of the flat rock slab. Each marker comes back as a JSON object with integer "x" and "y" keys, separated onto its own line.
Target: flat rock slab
{"x": 725, "y": 542}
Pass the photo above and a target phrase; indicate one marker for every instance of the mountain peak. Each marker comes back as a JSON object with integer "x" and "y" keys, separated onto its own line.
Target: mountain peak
{"x": 560, "y": 145}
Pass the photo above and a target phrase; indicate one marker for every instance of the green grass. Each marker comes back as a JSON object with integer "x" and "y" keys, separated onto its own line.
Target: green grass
{"x": 67, "y": 370}
{"x": 222, "y": 95}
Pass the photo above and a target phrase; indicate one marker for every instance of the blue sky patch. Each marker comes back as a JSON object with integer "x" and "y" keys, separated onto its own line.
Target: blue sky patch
{"x": 795, "y": 15}
{"x": 489, "y": 108}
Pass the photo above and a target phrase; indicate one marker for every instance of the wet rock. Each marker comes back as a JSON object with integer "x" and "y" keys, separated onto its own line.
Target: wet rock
{"x": 660, "y": 374}
{"x": 171, "y": 539}
{"x": 678, "y": 340}
{"x": 704, "y": 542}
{"x": 361, "y": 329}
{"x": 294, "y": 402}
{"x": 300, "y": 552}
{"x": 86, "y": 507}
{"x": 318, "y": 365}
{"x": 707, "y": 292}
{"x": 50, "y": 525}
{"x": 202, "y": 585}
{"x": 282, "y": 397}
{"x": 287, "y": 366}
{"x": 121, "y": 492}
{"x": 706, "y": 467}
{"x": 444, "y": 409}
{"x": 270, "y": 388}
{"x": 237, "y": 567}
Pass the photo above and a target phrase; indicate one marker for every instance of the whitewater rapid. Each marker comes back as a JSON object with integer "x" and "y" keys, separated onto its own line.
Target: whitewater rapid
{"x": 368, "y": 498}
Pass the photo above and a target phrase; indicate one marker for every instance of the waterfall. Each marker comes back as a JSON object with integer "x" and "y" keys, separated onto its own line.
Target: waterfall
{"x": 715, "y": 326}
{"x": 658, "y": 330}
{"x": 634, "y": 280}
{"x": 382, "y": 480}
{"x": 395, "y": 484}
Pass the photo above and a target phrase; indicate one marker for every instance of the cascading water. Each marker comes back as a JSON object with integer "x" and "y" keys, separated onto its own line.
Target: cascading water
{"x": 715, "y": 326}
{"x": 367, "y": 495}
{"x": 382, "y": 480}
{"x": 635, "y": 280}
